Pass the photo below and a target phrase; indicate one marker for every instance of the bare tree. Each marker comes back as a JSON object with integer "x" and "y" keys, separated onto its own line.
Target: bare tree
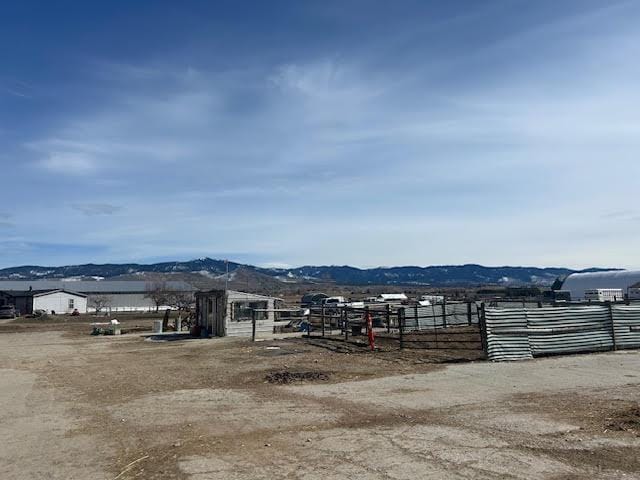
{"x": 181, "y": 301}
{"x": 158, "y": 293}
{"x": 99, "y": 302}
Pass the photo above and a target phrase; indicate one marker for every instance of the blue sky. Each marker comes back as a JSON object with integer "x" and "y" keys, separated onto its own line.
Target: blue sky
{"x": 347, "y": 132}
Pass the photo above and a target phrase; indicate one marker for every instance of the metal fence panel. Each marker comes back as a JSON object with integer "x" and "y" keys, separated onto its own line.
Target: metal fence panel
{"x": 569, "y": 330}
{"x": 507, "y": 335}
{"x": 626, "y": 321}
{"x": 419, "y": 318}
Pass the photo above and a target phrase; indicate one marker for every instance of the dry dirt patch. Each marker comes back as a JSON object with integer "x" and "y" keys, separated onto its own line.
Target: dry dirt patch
{"x": 219, "y": 411}
{"x": 202, "y": 409}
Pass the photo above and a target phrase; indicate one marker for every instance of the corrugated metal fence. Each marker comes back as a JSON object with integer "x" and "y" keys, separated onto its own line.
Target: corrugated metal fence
{"x": 522, "y": 333}
{"x": 418, "y": 318}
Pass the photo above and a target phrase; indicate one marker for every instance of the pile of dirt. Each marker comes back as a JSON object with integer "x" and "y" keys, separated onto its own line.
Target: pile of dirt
{"x": 626, "y": 420}
{"x": 286, "y": 377}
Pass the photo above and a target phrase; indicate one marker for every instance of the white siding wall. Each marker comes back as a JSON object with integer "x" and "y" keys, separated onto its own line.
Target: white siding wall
{"x": 244, "y": 329}
{"x": 126, "y": 302}
{"x": 59, "y": 302}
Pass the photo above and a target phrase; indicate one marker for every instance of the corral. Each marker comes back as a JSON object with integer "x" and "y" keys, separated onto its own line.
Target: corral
{"x": 75, "y": 406}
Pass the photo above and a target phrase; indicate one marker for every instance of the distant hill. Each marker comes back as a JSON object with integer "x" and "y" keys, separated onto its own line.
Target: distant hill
{"x": 207, "y": 271}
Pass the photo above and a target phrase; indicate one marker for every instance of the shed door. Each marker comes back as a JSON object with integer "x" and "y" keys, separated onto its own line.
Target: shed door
{"x": 219, "y": 319}
{"x": 211, "y": 307}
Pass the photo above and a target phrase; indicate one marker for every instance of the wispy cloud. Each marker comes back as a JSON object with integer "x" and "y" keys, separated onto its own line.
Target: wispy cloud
{"x": 69, "y": 163}
{"x": 93, "y": 209}
{"x": 421, "y": 130}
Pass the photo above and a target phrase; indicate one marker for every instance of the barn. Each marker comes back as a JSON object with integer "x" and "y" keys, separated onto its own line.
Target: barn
{"x": 578, "y": 283}
{"x": 221, "y": 313}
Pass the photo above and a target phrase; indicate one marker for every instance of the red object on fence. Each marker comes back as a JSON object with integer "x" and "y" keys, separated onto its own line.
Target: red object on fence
{"x": 372, "y": 344}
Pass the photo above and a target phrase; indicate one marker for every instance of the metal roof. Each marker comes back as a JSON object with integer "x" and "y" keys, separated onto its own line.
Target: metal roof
{"x": 393, "y": 296}
{"x": 38, "y": 293}
{"x": 86, "y": 286}
{"x": 218, "y": 292}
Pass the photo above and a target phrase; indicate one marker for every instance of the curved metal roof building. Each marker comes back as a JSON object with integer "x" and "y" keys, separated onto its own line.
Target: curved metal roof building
{"x": 577, "y": 283}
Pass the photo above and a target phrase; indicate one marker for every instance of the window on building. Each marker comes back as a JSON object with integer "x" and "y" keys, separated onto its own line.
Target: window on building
{"x": 242, "y": 311}
{"x": 71, "y": 303}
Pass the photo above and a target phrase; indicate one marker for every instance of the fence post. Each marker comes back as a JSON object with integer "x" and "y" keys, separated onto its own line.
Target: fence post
{"x": 366, "y": 322}
{"x": 482, "y": 323}
{"x": 415, "y": 313}
{"x": 322, "y": 318}
{"x": 444, "y": 313}
{"x": 469, "y": 319}
{"x": 388, "y": 314}
{"x": 253, "y": 325}
{"x": 309, "y": 323}
{"x": 346, "y": 325}
{"x": 613, "y": 326}
{"x": 401, "y": 326}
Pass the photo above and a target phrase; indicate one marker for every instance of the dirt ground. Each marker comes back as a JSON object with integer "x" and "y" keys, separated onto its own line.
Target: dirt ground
{"x": 73, "y": 406}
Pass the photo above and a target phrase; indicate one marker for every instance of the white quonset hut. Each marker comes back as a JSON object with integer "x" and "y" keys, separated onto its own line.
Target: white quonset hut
{"x": 578, "y": 283}
{"x": 222, "y": 313}
{"x": 112, "y": 295}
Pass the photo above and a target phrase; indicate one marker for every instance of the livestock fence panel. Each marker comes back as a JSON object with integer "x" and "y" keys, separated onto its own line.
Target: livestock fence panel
{"x": 443, "y": 315}
{"x": 521, "y": 333}
{"x": 449, "y": 326}
{"x": 626, "y": 323}
{"x": 507, "y": 337}
{"x": 569, "y": 330}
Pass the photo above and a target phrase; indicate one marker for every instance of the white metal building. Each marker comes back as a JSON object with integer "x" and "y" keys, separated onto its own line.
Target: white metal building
{"x": 230, "y": 313}
{"x": 115, "y": 295}
{"x": 60, "y": 301}
{"x": 55, "y": 300}
{"x": 577, "y": 283}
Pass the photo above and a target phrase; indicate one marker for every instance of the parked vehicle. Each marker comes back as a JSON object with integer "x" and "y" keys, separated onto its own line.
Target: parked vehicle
{"x": 7, "y": 311}
{"x": 334, "y": 302}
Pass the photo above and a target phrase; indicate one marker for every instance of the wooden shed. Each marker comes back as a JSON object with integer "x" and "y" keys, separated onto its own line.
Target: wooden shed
{"x": 222, "y": 313}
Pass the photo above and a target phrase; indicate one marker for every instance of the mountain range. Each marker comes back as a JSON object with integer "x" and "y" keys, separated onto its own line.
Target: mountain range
{"x": 447, "y": 275}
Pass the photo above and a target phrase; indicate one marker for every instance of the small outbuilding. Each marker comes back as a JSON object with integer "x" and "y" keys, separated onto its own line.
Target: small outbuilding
{"x": 228, "y": 313}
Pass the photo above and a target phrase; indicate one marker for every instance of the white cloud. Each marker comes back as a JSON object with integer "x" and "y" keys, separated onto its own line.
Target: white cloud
{"x": 481, "y": 154}
{"x": 92, "y": 209}
{"x": 69, "y": 163}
